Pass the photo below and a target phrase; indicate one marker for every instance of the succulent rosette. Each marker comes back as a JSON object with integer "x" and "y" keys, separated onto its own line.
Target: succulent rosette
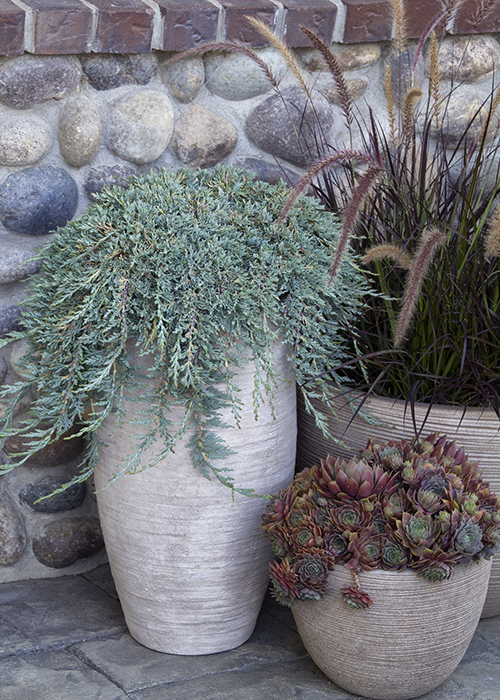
{"x": 420, "y": 505}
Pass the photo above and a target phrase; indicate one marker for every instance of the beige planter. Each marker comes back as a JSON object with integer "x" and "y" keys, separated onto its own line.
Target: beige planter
{"x": 407, "y": 643}
{"x": 188, "y": 560}
{"x": 478, "y": 431}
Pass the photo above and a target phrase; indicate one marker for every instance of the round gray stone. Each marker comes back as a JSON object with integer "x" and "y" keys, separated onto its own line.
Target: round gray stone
{"x": 17, "y": 350}
{"x": 465, "y": 107}
{"x": 140, "y": 126}
{"x": 202, "y": 138}
{"x": 23, "y": 141}
{"x": 288, "y": 127}
{"x": 12, "y": 532}
{"x": 184, "y": 78}
{"x": 468, "y": 59}
{"x": 107, "y": 176}
{"x": 27, "y": 80}
{"x": 16, "y": 265}
{"x": 9, "y": 319}
{"x": 69, "y": 499}
{"x": 79, "y": 131}
{"x": 235, "y": 76}
{"x": 355, "y": 88}
{"x": 108, "y": 71}
{"x": 36, "y": 201}
{"x": 269, "y": 172}
{"x": 349, "y": 57}
{"x": 3, "y": 372}
{"x": 67, "y": 540}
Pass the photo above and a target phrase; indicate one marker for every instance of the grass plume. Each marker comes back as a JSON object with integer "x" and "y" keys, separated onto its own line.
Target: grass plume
{"x": 389, "y": 101}
{"x": 410, "y": 101}
{"x": 400, "y": 25}
{"x": 280, "y": 46}
{"x": 434, "y": 81}
{"x": 431, "y": 240}
{"x": 493, "y": 234}
{"x": 336, "y": 72}
{"x": 323, "y": 164}
{"x": 228, "y": 47}
{"x": 388, "y": 252}
{"x": 360, "y": 195}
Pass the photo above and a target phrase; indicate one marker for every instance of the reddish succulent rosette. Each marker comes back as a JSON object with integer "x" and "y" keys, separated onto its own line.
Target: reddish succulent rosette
{"x": 422, "y": 506}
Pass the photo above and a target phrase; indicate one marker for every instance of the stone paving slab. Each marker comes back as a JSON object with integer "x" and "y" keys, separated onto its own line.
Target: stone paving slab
{"x": 101, "y": 577}
{"x": 12, "y": 641}
{"x": 65, "y": 639}
{"x": 59, "y": 611}
{"x": 53, "y": 675}
{"x": 289, "y": 681}
{"x": 133, "y": 667}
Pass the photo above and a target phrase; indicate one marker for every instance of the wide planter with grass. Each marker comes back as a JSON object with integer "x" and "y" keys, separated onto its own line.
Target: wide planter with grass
{"x": 407, "y": 643}
{"x": 477, "y": 430}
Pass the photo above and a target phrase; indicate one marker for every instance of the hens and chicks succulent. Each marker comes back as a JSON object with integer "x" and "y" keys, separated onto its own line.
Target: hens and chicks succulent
{"x": 422, "y": 505}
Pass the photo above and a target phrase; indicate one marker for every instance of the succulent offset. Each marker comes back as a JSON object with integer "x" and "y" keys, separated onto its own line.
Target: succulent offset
{"x": 422, "y": 506}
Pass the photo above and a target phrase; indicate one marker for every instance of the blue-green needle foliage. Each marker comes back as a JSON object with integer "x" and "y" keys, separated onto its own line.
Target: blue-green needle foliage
{"x": 192, "y": 267}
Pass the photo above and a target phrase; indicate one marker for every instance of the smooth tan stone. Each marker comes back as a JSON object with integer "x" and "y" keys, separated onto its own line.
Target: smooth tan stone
{"x": 18, "y": 349}
{"x": 12, "y": 532}
{"x": 202, "y": 138}
{"x": 141, "y": 126}
{"x": 349, "y": 57}
{"x": 468, "y": 59}
{"x": 79, "y": 131}
{"x": 458, "y": 115}
{"x": 184, "y": 78}
{"x": 355, "y": 89}
{"x": 23, "y": 141}
{"x": 235, "y": 76}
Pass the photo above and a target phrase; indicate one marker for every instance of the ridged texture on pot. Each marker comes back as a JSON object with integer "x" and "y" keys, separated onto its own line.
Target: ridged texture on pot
{"x": 478, "y": 431}
{"x": 189, "y": 562}
{"x": 407, "y": 643}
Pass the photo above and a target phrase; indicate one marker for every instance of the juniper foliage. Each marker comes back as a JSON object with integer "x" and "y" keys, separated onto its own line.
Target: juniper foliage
{"x": 192, "y": 268}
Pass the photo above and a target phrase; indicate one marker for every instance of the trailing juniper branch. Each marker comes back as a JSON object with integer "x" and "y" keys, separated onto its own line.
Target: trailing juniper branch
{"x": 192, "y": 268}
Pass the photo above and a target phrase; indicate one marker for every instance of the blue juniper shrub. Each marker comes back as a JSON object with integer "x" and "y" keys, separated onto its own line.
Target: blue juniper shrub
{"x": 192, "y": 266}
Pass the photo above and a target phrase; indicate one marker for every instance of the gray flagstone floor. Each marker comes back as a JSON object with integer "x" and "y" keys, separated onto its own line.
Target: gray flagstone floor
{"x": 66, "y": 639}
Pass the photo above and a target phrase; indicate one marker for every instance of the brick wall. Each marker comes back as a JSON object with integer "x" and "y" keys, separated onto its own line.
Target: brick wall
{"x": 138, "y": 26}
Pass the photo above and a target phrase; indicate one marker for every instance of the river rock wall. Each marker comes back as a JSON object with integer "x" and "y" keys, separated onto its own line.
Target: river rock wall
{"x": 74, "y": 121}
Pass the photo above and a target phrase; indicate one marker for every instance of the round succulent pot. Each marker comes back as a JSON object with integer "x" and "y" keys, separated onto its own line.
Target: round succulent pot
{"x": 187, "y": 556}
{"x": 477, "y": 430}
{"x": 407, "y": 643}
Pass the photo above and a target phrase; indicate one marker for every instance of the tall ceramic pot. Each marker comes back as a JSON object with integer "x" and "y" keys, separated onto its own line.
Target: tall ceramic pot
{"x": 407, "y": 643}
{"x": 476, "y": 429}
{"x": 188, "y": 559}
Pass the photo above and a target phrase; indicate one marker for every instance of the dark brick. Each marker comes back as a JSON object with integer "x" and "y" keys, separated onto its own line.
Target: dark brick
{"x": 188, "y": 23}
{"x": 318, "y": 15}
{"x": 11, "y": 29}
{"x": 367, "y": 20}
{"x": 419, "y": 14}
{"x": 468, "y": 21}
{"x": 123, "y": 26}
{"x": 237, "y": 25}
{"x": 61, "y": 26}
